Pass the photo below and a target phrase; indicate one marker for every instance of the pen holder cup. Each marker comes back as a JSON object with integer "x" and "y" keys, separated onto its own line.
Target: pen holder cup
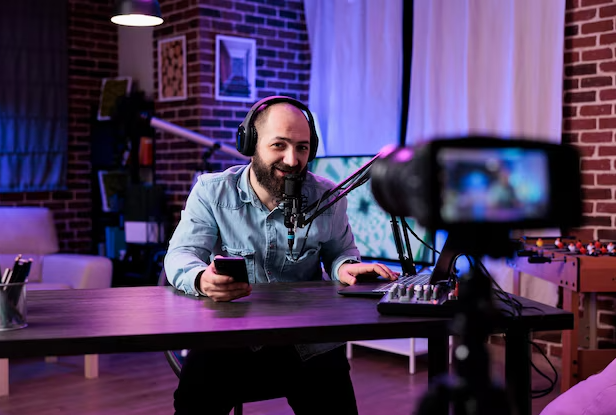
{"x": 13, "y": 307}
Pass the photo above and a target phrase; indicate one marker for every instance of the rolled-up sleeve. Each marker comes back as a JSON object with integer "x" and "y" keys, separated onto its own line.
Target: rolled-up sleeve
{"x": 193, "y": 240}
{"x": 341, "y": 246}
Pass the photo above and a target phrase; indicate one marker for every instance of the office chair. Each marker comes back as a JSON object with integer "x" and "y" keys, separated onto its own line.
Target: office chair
{"x": 176, "y": 359}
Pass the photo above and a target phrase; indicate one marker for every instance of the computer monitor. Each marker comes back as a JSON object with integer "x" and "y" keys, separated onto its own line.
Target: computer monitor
{"x": 370, "y": 224}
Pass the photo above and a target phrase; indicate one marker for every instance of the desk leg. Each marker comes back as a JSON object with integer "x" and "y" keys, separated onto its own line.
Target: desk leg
{"x": 571, "y": 302}
{"x": 516, "y": 281}
{"x": 4, "y": 377}
{"x": 438, "y": 356}
{"x": 517, "y": 369}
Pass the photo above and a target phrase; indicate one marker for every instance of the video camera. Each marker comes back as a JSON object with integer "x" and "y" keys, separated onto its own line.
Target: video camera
{"x": 477, "y": 183}
{"x": 478, "y": 189}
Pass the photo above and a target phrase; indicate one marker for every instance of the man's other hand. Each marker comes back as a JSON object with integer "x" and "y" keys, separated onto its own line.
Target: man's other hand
{"x": 348, "y": 273}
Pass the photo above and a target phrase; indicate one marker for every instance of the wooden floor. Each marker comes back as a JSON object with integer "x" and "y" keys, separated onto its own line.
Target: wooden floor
{"x": 143, "y": 383}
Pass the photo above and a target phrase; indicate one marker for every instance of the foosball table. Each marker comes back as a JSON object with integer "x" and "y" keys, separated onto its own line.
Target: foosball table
{"x": 578, "y": 268}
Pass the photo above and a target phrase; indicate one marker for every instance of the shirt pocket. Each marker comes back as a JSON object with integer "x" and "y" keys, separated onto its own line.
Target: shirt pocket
{"x": 305, "y": 268}
{"x": 249, "y": 258}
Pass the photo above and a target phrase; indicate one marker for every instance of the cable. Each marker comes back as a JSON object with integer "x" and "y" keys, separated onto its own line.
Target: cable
{"x": 518, "y": 307}
{"x": 301, "y": 251}
{"x": 543, "y": 392}
{"x": 408, "y": 227}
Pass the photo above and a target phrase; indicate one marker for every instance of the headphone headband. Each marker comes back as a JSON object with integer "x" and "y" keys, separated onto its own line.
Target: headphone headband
{"x": 246, "y": 139}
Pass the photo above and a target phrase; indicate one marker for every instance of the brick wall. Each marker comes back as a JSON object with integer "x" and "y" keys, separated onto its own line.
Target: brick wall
{"x": 93, "y": 54}
{"x": 283, "y": 68}
{"x": 589, "y": 122}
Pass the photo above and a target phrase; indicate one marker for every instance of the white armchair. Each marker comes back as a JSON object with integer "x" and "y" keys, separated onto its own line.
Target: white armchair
{"x": 31, "y": 232}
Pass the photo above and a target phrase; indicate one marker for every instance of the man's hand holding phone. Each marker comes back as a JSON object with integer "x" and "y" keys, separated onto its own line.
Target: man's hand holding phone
{"x": 225, "y": 279}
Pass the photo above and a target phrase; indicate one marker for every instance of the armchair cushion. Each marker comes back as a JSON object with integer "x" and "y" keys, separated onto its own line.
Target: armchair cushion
{"x": 31, "y": 232}
{"x": 78, "y": 271}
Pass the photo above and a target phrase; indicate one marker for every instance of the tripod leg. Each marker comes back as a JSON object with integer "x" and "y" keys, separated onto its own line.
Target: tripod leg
{"x": 517, "y": 369}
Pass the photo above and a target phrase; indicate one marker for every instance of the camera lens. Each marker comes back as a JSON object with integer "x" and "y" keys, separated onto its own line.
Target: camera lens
{"x": 391, "y": 180}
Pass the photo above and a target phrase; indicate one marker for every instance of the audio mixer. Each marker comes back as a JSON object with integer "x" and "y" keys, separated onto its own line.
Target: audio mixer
{"x": 417, "y": 300}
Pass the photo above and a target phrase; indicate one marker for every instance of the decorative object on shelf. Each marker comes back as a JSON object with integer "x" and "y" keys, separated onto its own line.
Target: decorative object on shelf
{"x": 172, "y": 84}
{"x": 111, "y": 90}
{"x": 236, "y": 61}
{"x": 113, "y": 186}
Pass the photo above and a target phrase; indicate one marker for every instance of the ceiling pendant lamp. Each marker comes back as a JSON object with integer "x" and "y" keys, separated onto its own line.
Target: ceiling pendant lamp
{"x": 137, "y": 13}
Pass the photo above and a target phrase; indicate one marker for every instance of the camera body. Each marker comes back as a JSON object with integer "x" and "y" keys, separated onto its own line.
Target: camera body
{"x": 481, "y": 183}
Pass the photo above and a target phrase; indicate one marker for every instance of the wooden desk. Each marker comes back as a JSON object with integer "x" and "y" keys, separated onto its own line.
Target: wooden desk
{"x": 136, "y": 319}
{"x": 577, "y": 274}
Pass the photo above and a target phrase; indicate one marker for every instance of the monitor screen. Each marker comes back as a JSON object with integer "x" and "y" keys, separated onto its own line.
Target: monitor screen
{"x": 371, "y": 225}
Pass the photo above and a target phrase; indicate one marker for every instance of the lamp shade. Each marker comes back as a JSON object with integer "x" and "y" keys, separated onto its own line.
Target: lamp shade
{"x": 137, "y": 13}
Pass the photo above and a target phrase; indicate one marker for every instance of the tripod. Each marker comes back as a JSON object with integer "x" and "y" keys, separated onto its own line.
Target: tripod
{"x": 470, "y": 390}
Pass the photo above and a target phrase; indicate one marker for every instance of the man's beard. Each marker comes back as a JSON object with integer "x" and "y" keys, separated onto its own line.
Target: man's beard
{"x": 267, "y": 177}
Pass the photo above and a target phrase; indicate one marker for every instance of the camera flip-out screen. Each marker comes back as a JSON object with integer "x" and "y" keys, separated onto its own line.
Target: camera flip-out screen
{"x": 493, "y": 185}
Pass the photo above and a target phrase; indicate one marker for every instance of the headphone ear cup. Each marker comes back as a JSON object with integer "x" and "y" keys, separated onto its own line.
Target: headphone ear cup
{"x": 240, "y": 140}
{"x": 251, "y": 141}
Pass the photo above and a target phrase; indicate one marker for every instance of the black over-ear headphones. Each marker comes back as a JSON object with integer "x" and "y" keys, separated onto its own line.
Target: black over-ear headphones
{"x": 246, "y": 141}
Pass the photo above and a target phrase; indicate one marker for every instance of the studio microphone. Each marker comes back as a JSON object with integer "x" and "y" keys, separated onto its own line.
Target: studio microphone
{"x": 292, "y": 204}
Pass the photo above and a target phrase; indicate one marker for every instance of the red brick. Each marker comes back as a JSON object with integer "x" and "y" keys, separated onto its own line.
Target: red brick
{"x": 598, "y": 137}
{"x": 580, "y": 42}
{"x": 586, "y": 151}
{"x": 587, "y": 3}
{"x": 605, "y": 123}
{"x": 572, "y": 4}
{"x": 587, "y": 96}
{"x": 607, "y": 95}
{"x": 584, "y": 234}
{"x": 597, "y": 221}
{"x": 596, "y": 109}
{"x": 608, "y": 66}
{"x": 572, "y": 57}
{"x": 596, "y": 193}
{"x": 606, "y": 179}
{"x": 588, "y": 207}
{"x": 607, "y": 151}
{"x": 588, "y": 179}
{"x": 597, "y": 164}
{"x": 581, "y": 69}
{"x": 580, "y": 15}
{"x": 580, "y": 124}
{"x": 598, "y": 27}
{"x": 597, "y": 54}
{"x": 608, "y": 39}
{"x": 607, "y": 11}
{"x": 606, "y": 234}
{"x": 606, "y": 208}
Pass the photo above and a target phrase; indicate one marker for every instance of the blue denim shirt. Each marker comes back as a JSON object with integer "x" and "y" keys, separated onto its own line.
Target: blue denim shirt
{"x": 224, "y": 216}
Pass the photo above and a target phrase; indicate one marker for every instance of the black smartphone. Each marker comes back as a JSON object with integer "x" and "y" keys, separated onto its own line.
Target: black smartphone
{"x": 233, "y": 267}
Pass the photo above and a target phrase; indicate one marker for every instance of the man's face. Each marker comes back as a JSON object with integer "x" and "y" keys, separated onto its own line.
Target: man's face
{"x": 283, "y": 147}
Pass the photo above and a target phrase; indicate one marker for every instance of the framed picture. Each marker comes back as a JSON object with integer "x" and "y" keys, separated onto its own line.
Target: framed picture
{"x": 111, "y": 90}
{"x": 172, "y": 83}
{"x": 236, "y": 61}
